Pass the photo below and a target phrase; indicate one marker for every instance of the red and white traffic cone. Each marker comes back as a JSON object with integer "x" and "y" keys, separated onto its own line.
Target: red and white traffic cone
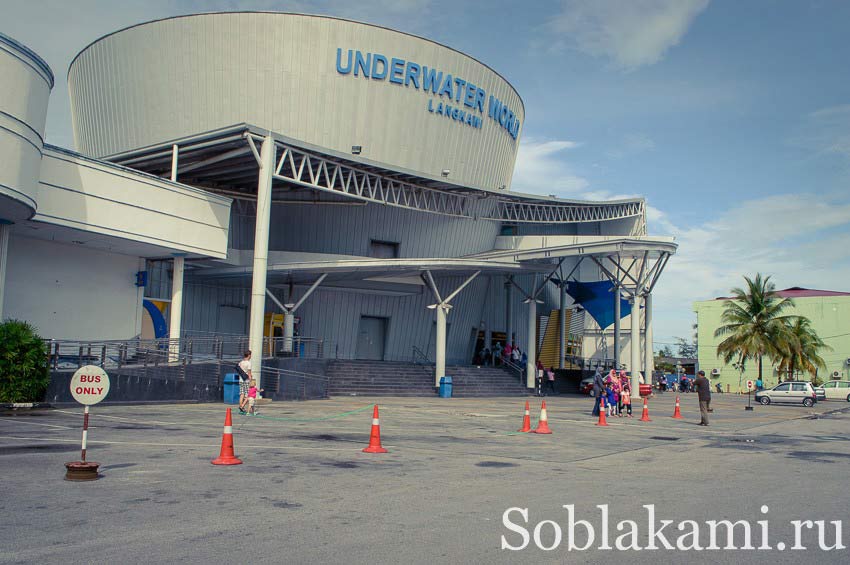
{"x": 645, "y": 416}
{"x": 526, "y": 421}
{"x": 375, "y": 436}
{"x": 677, "y": 413}
{"x": 543, "y": 424}
{"x": 603, "y": 421}
{"x": 226, "y": 456}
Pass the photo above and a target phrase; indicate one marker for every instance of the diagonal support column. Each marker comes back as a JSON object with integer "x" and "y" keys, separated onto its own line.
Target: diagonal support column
{"x": 442, "y": 307}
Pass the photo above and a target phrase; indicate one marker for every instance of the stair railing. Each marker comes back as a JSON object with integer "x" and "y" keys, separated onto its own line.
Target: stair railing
{"x": 419, "y": 357}
{"x": 514, "y": 367}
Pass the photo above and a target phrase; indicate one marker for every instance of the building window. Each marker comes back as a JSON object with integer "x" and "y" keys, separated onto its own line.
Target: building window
{"x": 383, "y": 249}
{"x": 509, "y": 229}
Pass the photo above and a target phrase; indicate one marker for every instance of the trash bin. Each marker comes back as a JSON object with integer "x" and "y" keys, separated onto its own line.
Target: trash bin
{"x": 445, "y": 387}
{"x": 231, "y": 388}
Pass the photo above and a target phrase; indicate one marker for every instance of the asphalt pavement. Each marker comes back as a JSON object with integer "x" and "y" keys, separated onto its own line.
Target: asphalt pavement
{"x": 306, "y": 493}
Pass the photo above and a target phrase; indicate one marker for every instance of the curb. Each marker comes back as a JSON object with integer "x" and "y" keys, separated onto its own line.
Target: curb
{"x": 14, "y": 406}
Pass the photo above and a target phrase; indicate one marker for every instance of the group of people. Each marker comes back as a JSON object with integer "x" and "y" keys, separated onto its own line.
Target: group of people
{"x": 499, "y": 355}
{"x": 545, "y": 377}
{"x": 615, "y": 390}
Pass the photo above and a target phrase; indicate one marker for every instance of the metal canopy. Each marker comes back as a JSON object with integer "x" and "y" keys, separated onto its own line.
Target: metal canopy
{"x": 225, "y": 161}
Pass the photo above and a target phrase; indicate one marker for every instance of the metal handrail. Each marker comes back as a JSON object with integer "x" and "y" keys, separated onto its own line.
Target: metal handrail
{"x": 418, "y": 353}
{"x": 511, "y": 365}
{"x": 165, "y": 351}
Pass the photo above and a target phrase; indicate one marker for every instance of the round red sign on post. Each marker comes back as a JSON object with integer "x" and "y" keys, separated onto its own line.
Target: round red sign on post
{"x": 89, "y": 385}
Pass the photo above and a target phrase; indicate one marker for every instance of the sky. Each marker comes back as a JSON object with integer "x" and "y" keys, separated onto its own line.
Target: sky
{"x": 731, "y": 118}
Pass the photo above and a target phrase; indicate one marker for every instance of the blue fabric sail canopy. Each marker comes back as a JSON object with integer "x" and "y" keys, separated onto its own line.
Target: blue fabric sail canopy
{"x": 598, "y": 299}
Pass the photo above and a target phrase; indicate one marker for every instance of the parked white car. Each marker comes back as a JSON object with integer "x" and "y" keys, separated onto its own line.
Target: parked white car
{"x": 837, "y": 390}
{"x": 795, "y": 392}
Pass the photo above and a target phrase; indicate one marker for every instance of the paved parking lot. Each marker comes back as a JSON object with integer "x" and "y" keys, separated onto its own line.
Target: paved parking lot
{"x": 306, "y": 492}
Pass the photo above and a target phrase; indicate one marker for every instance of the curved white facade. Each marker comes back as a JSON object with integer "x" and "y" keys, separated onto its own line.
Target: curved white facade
{"x": 328, "y": 82}
{"x": 24, "y": 92}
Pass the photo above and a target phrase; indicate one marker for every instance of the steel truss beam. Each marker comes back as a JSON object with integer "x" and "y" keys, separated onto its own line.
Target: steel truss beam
{"x": 646, "y": 279}
{"x": 509, "y": 210}
{"x": 315, "y": 171}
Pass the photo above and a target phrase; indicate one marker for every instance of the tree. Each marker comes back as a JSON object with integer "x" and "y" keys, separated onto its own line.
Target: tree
{"x": 687, "y": 350}
{"x": 754, "y": 324}
{"x": 24, "y": 374}
{"x": 802, "y": 347}
{"x": 665, "y": 351}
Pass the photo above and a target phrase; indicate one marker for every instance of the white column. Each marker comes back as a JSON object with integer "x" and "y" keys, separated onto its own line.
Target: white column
{"x": 440, "y": 364}
{"x": 648, "y": 360}
{"x": 531, "y": 348}
{"x": 635, "y": 343}
{"x": 617, "y": 323}
{"x": 509, "y": 325}
{"x": 562, "y": 333}
{"x": 5, "y": 231}
{"x": 175, "y": 322}
{"x": 261, "y": 256}
{"x": 288, "y": 331}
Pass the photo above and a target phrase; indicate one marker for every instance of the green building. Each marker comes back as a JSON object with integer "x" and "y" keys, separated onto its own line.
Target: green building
{"x": 829, "y": 313}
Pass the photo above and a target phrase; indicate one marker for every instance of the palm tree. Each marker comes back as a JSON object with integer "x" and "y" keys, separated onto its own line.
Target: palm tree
{"x": 803, "y": 347}
{"x": 754, "y": 324}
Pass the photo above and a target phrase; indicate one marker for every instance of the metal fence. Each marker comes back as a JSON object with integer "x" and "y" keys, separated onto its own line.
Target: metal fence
{"x": 195, "y": 359}
{"x": 189, "y": 350}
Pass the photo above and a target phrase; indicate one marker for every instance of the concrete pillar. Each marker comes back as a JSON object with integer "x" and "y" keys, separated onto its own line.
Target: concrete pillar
{"x": 440, "y": 363}
{"x": 175, "y": 322}
{"x": 5, "y": 232}
{"x": 288, "y": 331}
{"x": 261, "y": 257}
{"x": 635, "y": 344}
{"x": 531, "y": 348}
{"x": 562, "y": 333}
{"x": 648, "y": 360}
{"x": 509, "y": 326}
{"x": 617, "y": 336}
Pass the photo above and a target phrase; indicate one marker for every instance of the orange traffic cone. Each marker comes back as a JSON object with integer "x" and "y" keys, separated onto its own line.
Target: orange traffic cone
{"x": 543, "y": 424}
{"x": 602, "y": 420}
{"x": 226, "y": 456}
{"x": 677, "y": 413}
{"x": 526, "y": 421}
{"x": 375, "y": 436}
{"x": 645, "y": 416}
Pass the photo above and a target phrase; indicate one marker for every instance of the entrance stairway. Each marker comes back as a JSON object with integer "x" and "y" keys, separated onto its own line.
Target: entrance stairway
{"x": 387, "y": 378}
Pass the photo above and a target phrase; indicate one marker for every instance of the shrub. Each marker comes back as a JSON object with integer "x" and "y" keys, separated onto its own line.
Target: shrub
{"x": 24, "y": 374}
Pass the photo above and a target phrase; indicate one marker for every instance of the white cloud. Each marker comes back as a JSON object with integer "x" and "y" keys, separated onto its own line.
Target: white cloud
{"x": 631, "y": 34}
{"x": 826, "y": 131}
{"x": 632, "y": 144}
{"x": 799, "y": 239}
{"x": 541, "y": 170}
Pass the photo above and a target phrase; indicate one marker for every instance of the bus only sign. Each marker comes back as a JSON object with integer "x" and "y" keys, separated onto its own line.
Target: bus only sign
{"x": 89, "y": 385}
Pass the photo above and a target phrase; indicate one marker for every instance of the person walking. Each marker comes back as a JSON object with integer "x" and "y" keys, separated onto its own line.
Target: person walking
{"x": 243, "y": 369}
{"x": 497, "y": 351}
{"x": 626, "y": 397}
{"x": 703, "y": 388}
{"x": 598, "y": 388}
{"x": 550, "y": 378}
